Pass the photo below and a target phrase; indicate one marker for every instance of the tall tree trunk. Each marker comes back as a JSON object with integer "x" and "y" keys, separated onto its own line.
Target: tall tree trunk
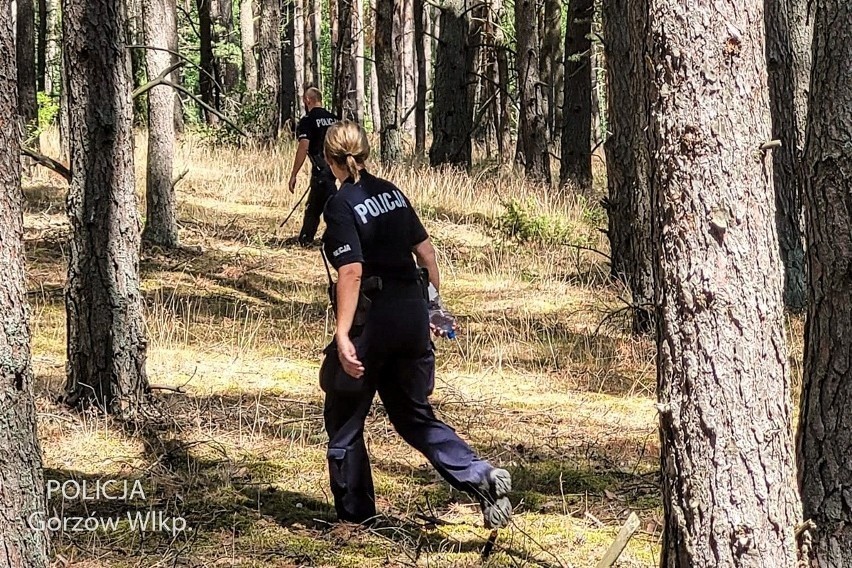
{"x": 409, "y": 64}
{"x": 248, "y": 44}
{"x": 206, "y": 82}
{"x": 551, "y": 63}
{"x": 504, "y": 141}
{"x": 375, "y": 110}
{"x": 53, "y": 55}
{"x": 41, "y": 45}
{"x": 452, "y": 116}
{"x": 299, "y": 53}
{"x": 723, "y": 376}
{"x": 343, "y": 98}
{"x": 22, "y": 487}
{"x": 288, "y": 67}
{"x": 64, "y": 111}
{"x": 358, "y": 31}
{"x": 391, "y": 143}
{"x": 136, "y": 60}
{"x": 269, "y": 67}
{"x": 788, "y": 57}
{"x": 106, "y": 330}
{"x": 229, "y": 71}
{"x": 26, "y": 62}
{"x": 314, "y": 33}
{"x": 825, "y": 430}
{"x": 532, "y": 117}
{"x": 160, "y": 24}
{"x": 420, "y": 41}
{"x": 576, "y": 167}
{"x": 628, "y": 202}
{"x": 309, "y": 36}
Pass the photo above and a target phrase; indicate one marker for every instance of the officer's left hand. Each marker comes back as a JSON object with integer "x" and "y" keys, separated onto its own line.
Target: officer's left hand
{"x": 349, "y": 358}
{"x": 292, "y": 185}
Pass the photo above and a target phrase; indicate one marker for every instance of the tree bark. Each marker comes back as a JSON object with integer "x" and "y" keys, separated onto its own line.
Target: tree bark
{"x": 248, "y": 44}
{"x": 409, "y": 64}
{"x": 375, "y": 110}
{"x": 228, "y": 70}
{"x": 420, "y": 41}
{"x": 723, "y": 376}
{"x": 532, "y": 118}
{"x": 343, "y": 100}
{"x": 106, "y": 329}
{"x": 628, "y": 201}
{"x": 358, "y": 31}
{"x": 788, "y": 55}
{"x": 269, "y": 67}
{"x": 22, "y": 487}
{"x": 41, "y": 45}
{"x": 207, "y": 72}
{"x": 504, "y": 141}
{"x": 551, "y": 65}
{"x": 452, "y": 116}
{"x": 160, "y": 24}
{"x": 299, "y": 52}
{"x": 64, "y": 112}
{"x": 53, "y": 56}
{"x": 825, "y": 430}
{"x": 288, "y": 66}
{"x": 314, "y": 33}
{"x": 25, "y": 46}
{"x": 390, "y": 140}
{"x": 576, "y": 167}
{"x": 309, "y": 50}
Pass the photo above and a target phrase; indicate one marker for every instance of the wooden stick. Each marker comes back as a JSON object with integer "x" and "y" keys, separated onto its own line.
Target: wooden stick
{"x": 617, "y": 547}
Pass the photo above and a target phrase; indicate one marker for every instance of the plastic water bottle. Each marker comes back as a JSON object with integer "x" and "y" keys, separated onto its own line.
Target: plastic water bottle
{"x": 441, "y": 318}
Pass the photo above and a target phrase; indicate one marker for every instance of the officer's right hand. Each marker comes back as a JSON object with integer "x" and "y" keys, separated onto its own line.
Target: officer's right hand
{"x": 349, "y": 358}
{"x": 292, "y": 184}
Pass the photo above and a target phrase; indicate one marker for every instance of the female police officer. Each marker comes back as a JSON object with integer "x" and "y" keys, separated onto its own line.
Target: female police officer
{"x": 372, "y": 231}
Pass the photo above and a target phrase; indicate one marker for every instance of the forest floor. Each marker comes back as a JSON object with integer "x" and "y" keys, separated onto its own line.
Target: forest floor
{"x": 544, "y": 380}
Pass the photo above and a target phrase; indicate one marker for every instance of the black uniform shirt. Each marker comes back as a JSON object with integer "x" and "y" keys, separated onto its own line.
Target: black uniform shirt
{"x": 312, "y": 127}
{"x": 372, "y": 222}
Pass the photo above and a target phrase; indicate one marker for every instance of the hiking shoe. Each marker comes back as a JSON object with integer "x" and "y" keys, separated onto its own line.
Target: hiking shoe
{"x": 496, "y": 507}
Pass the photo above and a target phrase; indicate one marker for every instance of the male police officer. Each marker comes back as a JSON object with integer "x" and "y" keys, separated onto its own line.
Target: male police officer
{"x": 311, "y": 134}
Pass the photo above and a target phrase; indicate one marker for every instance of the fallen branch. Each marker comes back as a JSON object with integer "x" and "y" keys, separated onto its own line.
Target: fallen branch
{"x": 167, "y": 388}
{"x": 204, "y": 105}
{"x": 48, "y": 163}
{"x": 617, "y": 547}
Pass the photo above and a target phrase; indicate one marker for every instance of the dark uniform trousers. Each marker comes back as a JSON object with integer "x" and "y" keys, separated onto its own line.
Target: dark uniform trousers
{"x": 322, "y": 188}
{"x": 400, "y": 365}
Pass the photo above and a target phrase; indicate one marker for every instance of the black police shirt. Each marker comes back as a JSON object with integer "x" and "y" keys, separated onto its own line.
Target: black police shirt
{"x": 372, "y": 222}
{"x": 312, "y": 127}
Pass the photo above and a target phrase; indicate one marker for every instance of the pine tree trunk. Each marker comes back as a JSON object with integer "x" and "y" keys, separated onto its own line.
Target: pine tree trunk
{"x": 310, "y": 67}
{"x": 269, "y": 67}
{"x": 576, "y": 167}
{"x": 207, "y": 71}
{"x": 288, "y": 66}
{"x": 504, "y": 141}
{"x": 53, "y": 55}
{"x": 136, "y": 59}
{"x": 628, "y": 201}
{"x": 420, "y": 41}
{"x": 41, "y": 45}
{"x": 106, "y": 330}
{"x": 25, "y": 46}
{"x": 788, "y": 54}
{"x": 391, "y": 143}
{"x": 358, "y": 30}
{"x": 825, "y": 427}
{"x": 64, "y": 112}
{"x": 21, "y": 482}
{"x": 723, "y": 376}
{"x": 375, "y": 111}
{"x": 532, "y": 117}
{"x": 452, "y": 115}
{"x": 160, "y": 23}
{"x": 343, "y": 101}
{"x": 299, "y": 52}
{"x": 316, "y": 33}
{"x": 248, "y": 44}
{"x": 229, "y": 72}
{"x": 551, "y": 63}
{"x": 409, "y": 65}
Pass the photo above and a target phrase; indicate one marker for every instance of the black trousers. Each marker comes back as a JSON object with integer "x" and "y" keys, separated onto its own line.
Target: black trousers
{"x": 322, "y": 188}
{"x": 400, "y": 365}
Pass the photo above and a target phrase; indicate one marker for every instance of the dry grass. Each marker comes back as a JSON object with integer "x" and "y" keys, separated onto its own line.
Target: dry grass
{"x": 534, "y": 382}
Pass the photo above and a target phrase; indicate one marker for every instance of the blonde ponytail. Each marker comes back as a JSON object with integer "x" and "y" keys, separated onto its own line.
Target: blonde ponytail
{"x": 346, "y": 144}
